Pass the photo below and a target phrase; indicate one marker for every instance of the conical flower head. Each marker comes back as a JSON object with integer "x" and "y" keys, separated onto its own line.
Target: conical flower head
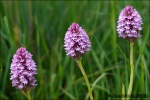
{"x": 129, "y": 24}
{"x": 76, "y": 41}
{"x": 22, "y": 70}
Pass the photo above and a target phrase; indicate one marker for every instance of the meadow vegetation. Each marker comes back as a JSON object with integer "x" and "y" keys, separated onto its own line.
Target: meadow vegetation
{"x": 41, "y": 27}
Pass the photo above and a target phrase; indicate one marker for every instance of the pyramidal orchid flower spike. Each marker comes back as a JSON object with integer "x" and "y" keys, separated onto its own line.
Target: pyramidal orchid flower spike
{"x": 129, "y": 24}
{"x": 76, "y": 43}
{"x": 23, "y": 69}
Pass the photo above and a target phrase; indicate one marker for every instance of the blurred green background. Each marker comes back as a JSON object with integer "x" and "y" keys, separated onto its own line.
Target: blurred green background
{"x": 40, "y": 26}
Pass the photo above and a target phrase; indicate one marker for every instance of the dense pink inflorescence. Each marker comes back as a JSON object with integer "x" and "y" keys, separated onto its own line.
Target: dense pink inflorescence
{"x": 129, "y": 24}
{"x": 76, "y": 41}
{"x": 22, "y": 69}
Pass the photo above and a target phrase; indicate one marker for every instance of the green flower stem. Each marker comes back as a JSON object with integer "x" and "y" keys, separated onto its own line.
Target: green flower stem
{"x": 123, "y": 91}
{"x": 85, "y": 77}
{"x": 132, "y": 71}
{"x": 26, "y": 92}
{"x": 28, "y": 95}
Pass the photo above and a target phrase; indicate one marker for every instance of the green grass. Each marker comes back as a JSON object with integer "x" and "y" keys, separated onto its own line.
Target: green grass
{"x": 41, "y": 26}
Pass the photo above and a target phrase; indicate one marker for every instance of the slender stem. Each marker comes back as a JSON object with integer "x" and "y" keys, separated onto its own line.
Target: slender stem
{"x": 28, "y": 95}
{"x": 132, "y": 71}
{"x": 26, "y": 92}
{"x": 123, "y": 92}
{"x": 85, "y": 77}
